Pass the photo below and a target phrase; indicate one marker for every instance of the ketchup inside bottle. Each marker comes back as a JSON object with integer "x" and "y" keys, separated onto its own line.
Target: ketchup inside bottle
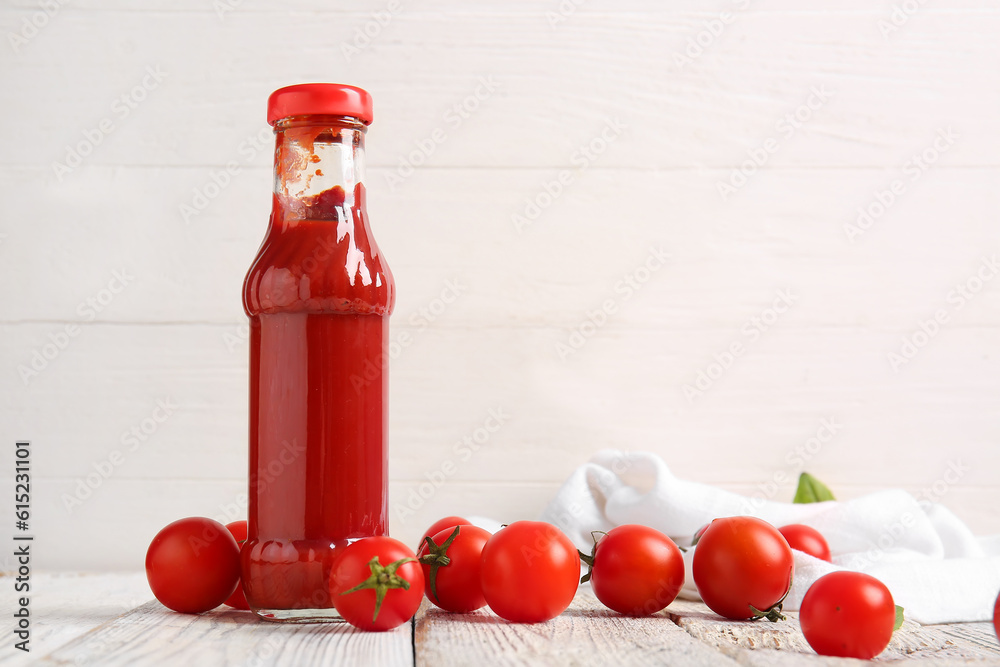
{"x": 319, "y": 295}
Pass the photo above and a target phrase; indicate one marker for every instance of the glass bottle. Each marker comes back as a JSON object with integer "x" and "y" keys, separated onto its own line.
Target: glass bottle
{"x": 319, "y": 295}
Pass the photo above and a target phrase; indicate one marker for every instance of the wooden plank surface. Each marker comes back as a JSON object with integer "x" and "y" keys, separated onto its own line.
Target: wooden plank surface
{"x": 766, "y": 404}
{"x": 589, "y": 634}
{"x": 65, "y": 606}
{"x": 784, "y": 230}
{"x": 585, "y": 634}
{"x": 91, "y": 620}
{"x": 783, "y": 644}
{"x": 110, "y": 619}
{"x": 110, "y": 378}
{"x": 560, "y": 82}
{"x": 152, "y": 635}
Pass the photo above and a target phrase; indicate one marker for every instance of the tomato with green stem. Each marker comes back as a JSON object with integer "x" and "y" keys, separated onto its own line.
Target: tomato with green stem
{"x": 441, "y": 524}
{"x": 451, "y": 561}
{"x": 848, "y": 615}
{"x": 376, "y": 583}
{"x": 743, "y": 568}
{"x": 635, "y": 570}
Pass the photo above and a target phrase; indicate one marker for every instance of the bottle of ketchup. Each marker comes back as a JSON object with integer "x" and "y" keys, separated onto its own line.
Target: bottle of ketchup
{"x": 319, "y": 295}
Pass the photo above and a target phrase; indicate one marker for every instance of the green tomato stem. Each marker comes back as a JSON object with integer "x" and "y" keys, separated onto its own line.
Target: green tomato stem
{"x": 381, "y": 580}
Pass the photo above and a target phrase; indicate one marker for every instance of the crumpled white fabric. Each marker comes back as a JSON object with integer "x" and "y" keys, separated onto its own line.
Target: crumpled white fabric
{"x": 936, "y": 569}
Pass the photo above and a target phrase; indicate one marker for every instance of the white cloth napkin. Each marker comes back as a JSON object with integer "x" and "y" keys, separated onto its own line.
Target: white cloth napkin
{"x": 936, "y": 569}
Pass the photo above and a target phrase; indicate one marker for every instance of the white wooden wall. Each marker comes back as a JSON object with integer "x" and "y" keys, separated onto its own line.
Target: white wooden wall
{"x": 618, "y": 120}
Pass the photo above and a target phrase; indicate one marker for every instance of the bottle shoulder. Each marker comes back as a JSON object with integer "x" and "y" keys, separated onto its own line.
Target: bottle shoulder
{"x": 319, "y": 266}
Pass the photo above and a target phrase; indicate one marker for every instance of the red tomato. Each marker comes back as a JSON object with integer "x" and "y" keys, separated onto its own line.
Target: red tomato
{"x": 743, "y": 564}
{"x": 193, "y": 565}
{"x": 996, "y": 617}
{"x": 376, "y": 583}
{"x": 697, "y": 535}
{"x": 806, "y": 539}
{"x": 441, "y": 524}
{"x": 451, "y": 568}
{"x": 530, "y": 572}
{"x": 636, "y": 570}
{"x": 238, "y": 529}
{"x": 848, "y": 615}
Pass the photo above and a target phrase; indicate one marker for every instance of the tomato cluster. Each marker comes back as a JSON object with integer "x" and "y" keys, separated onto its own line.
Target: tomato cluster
{"x": 529, "y": 572}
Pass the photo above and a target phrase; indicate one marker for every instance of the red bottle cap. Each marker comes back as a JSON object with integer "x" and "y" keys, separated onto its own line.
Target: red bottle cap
{"x": 331, "y": 99}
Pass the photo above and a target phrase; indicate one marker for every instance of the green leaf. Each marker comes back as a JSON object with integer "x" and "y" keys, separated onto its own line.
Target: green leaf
{"x": 811, "y": 490}
{"x": 899, "y": 618}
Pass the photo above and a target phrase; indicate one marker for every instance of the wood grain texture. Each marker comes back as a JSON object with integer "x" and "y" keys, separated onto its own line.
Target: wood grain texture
{"x": 67, "y": 605}
{"x": 589, "y": 634}
{"x": 586, "y": 634}
{"x": 761, "y": 414}
{"x": 105, "y": 620}
{"x": 773, "y": 390}
{"x": 561, "y": 82}
{"x": 783, "y": 230}
{"x": 153, "y": 635}
{"x": 129, "y": 512}
{"x": 782, "y": 643}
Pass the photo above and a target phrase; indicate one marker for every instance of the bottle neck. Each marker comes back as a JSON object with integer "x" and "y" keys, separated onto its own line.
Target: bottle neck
{"x": 319, "y": 164}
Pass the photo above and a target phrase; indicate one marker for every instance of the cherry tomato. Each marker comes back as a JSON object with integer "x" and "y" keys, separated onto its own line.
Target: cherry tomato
{"x": 697, "y": 535}
{"x": 238, "y": 529}
{"x": 193, "y": 565}
{"x": 743, "y": 567}
{"x": 848, "y": 615}
{"x": 996, "y": 617}
{"x": 441, "y": 524}
{"x": 530, "y": 572}
{"x": 376, "y": 583}
{"x": 636, "y": 570}
{"x": 451, "y": 568}
{"x": 806, "y": 539}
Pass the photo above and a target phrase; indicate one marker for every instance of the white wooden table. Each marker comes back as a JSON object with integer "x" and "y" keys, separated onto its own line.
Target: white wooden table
{"x": 111, "y": 619}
